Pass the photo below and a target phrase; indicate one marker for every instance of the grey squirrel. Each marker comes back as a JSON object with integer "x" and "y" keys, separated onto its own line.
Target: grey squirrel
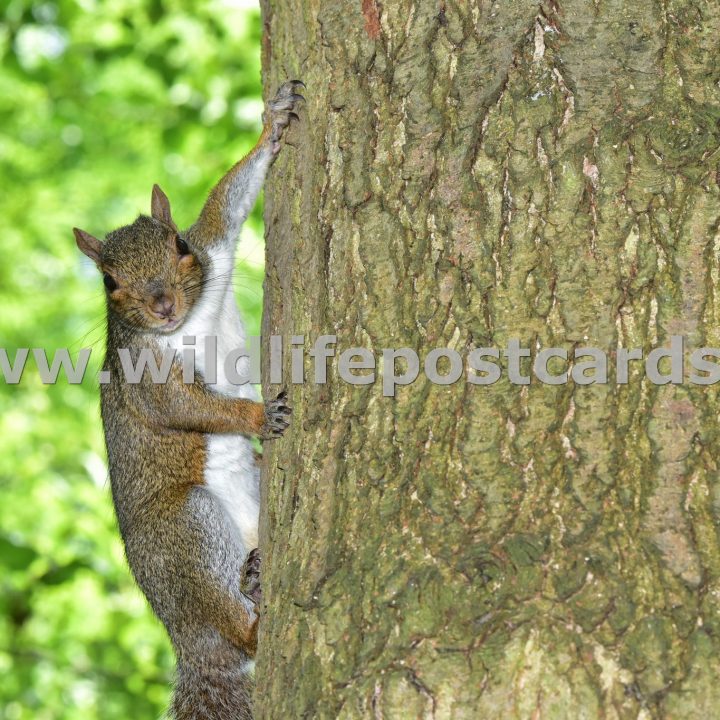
{"x": 182, "y": 470}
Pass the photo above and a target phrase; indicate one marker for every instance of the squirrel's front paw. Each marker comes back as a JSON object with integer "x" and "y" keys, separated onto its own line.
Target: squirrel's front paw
{"x": 276, "y": 414}
{"x": 250, "y": 578}
{"x": 281, "y": 110}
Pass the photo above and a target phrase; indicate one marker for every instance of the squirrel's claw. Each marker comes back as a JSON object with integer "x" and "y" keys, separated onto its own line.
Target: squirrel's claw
{"x": 276, "y": 412}
{"x": 250, "y": 577}
{"x": 281, "y": 110}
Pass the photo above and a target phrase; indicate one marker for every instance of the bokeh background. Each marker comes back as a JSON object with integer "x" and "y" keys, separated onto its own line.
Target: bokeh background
{"x": 99, "y": 99}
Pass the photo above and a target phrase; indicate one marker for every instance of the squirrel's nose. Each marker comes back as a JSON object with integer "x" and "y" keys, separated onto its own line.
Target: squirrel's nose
{"x": 163, "y": 306}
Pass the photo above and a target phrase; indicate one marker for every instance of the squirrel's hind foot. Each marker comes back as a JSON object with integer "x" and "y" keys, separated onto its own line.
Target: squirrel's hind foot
{"x": 250, "y": 578}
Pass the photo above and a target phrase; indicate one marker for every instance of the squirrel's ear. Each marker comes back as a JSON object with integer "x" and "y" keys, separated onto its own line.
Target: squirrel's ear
{"x": 88, "y": 244}
{"x": 160, "y": 206}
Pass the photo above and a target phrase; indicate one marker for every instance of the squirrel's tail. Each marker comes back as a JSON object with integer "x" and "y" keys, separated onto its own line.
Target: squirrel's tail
{"x": 204, "y": 693}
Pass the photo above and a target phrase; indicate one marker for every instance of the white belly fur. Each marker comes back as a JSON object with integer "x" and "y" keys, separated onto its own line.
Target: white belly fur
{"x": 230, "y": 471}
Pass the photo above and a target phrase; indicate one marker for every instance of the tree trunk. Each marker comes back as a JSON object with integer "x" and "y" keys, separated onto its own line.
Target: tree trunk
{"x": 466, "y": 173}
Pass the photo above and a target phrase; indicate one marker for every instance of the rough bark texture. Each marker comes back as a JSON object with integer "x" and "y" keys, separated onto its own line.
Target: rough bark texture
{"x": 465, "y": 173}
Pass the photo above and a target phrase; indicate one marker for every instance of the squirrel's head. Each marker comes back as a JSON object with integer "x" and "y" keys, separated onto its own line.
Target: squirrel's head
{"x": 152, "y": 276}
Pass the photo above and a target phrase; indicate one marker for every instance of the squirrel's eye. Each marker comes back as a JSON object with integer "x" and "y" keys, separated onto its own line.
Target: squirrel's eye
{"x": 109, "y": 281}
{"x": 181, "y": 246}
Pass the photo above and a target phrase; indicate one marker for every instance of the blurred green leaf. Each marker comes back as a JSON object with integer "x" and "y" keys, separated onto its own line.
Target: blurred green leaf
{"x": 58, "y": 575}
{"x": 14, "y": 555}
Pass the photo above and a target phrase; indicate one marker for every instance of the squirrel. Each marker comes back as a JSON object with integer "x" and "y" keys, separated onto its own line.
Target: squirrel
{"x": 184, "y": 480}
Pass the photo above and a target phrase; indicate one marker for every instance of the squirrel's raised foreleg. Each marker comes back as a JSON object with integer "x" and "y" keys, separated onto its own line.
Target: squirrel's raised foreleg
{"x": 231, "y": 200}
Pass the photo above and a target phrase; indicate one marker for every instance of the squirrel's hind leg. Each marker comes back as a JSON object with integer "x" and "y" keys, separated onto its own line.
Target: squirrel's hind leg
{"x": 250, "y": 578}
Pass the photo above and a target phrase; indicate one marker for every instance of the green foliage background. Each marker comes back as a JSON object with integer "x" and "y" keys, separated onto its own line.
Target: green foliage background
{"x": 98, "y": 100}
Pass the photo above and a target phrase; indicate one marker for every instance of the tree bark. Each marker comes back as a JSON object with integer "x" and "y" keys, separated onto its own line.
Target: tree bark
{"x": 465, "y": 173}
